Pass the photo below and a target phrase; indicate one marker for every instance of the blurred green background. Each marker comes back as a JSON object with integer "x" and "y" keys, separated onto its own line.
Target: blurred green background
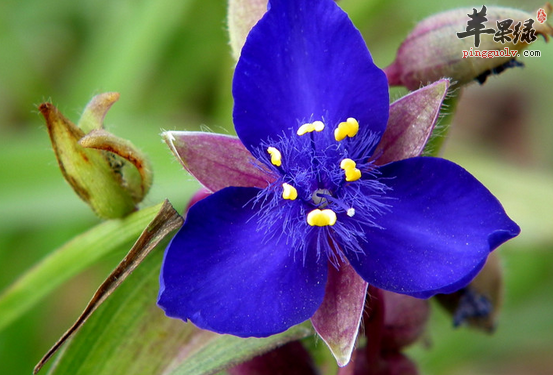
{"x": 170, "y": 62}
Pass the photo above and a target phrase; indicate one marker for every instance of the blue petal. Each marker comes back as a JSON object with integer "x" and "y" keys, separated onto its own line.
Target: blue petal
{"x": 440, "y": 229}
{"x": 220, "y": 273}
{"x": 305, "y": 61}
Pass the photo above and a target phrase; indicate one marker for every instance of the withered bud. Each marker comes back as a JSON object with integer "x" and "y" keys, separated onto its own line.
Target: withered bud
{"x": 478, "y": 304}
{"x": 433, "y": 50}
{"x": 105, "y": 171}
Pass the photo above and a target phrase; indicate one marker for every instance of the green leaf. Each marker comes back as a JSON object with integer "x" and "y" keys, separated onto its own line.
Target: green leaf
{"x": 129, "y": 334}
{"x": 165, "y": 222}
{"x": 69, "y": 260}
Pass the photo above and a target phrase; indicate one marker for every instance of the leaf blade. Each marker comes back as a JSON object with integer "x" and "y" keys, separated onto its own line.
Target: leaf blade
{"x": 68, "y": 260}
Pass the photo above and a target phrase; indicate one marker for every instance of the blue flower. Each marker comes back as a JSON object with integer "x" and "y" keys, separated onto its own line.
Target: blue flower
{"x": 311, "y": 106}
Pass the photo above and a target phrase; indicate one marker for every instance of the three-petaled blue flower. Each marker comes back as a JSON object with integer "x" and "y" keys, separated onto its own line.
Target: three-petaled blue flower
{"x": 311, "y": 106}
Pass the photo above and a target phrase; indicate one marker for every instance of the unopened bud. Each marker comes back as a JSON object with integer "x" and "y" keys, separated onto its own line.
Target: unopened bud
{"x": 405, "y": 319}
{"x": 242, "y": 16}
{"x": 394, "y": 363}
{"x": 105, "y": 171}
{"x": 434, "y": 49}
{"x": 290, "y": 359}
{"x": 385, "y": 363}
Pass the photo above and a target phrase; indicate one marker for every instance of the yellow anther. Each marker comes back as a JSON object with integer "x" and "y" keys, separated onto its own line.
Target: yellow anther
{"x": 349, "y": 167}
{"x": 304, "y": 129}
{"x": 321, "y": 218}
{"x": 317, "y": 126}
{"x": 346, "y": 164}
{"x": 276, "y": 156}
{"x": 353, "y": 174}
{"x": 289, "y": 192}
{"x": 348, "y": 128}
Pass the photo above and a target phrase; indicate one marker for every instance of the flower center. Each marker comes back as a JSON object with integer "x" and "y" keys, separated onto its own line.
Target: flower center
{"x": 321, "y": 197}
{"x": 326, "y": 189}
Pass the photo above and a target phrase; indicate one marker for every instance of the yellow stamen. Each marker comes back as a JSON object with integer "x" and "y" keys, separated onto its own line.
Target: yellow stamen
{"x": 349, "y": 167}
{"x": 276, "y": 156}
{"x": 353, "y": 174}
{"x": 346, "y": 164}
{"x": 321, "y": 218}
{"x": 289, "y": 192}
{"x": 317, "y": 126}
{"x": 349, "y": 128}
{"x": 304, "y": 129}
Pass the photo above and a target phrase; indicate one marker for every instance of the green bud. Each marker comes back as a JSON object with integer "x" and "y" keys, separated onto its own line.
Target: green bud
{"x": 433, "y": 49}
{"x": 242, "y": 16}
{"x": 106, "y": 172}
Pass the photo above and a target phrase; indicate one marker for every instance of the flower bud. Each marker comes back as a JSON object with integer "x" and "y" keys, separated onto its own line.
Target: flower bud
{"x": 290, "y": 359}
{"x": 242, "y": 16}
{"x": 434, "y": 50}
{"x": 394, "y": 363}
{"x": 386, "y": 363}
{"x": 105, "y": 171}
{"x": 405, "y": 320}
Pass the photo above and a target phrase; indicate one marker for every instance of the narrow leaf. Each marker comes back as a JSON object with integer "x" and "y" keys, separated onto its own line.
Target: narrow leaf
{"x": 223, "y": 351}
{"x": 165, "y": 221}
{"x": 69, "y": 260}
